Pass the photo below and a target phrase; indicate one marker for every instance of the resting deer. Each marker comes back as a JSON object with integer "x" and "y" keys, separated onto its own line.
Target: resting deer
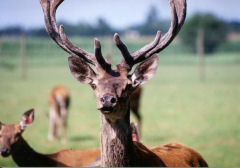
{"x": 113, "y": 88}
{"x": 59, "y": 100}
{"x": 12, "y": 143}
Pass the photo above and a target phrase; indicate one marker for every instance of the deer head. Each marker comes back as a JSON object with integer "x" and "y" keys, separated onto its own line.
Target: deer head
{"x": 113, "y": 87}
{"x": 10, "y": 134}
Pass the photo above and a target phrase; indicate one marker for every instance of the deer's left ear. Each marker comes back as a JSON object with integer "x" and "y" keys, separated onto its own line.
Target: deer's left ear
{"x": 27, "y": 119}
{"x": 81, "y": 70}
{"x": 145, "y": 71}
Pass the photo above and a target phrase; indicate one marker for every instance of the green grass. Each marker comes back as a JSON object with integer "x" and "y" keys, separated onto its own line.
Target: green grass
{"x": 176, "y": 106}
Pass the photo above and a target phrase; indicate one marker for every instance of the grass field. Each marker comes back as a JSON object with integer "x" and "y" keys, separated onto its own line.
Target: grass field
{"x": 176, "y": 106}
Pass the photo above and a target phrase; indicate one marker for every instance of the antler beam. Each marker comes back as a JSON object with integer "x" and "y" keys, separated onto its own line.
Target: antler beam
{"x": 49, "y": 9}
{"x": 178, "y": 10}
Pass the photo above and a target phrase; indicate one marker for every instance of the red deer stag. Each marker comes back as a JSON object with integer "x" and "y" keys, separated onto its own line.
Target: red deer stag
{"x": 12, "y": 143}
{"x": 113, "y": 88}
{"x": 59, "y": 100}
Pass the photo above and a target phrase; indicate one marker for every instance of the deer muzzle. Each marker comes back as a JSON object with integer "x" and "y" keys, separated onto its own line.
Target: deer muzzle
{"x": 108, "y": 102}
{"x": 5, "y": 152}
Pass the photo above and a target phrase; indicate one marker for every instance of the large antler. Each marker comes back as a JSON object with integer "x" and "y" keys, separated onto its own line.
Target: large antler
{"x": 178, "y": 10}
{"x": 49, "y": 9}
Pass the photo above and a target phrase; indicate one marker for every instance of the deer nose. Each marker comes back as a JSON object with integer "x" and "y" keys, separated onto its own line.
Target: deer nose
{"x": 4, "y": 152}
{"x": 108, "y": 100}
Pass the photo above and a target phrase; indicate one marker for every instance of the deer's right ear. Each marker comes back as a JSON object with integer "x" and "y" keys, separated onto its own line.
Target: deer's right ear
{"x": 81, "y": 70}
{"x": 27, "y": 119}
{"x": 145, "y": 70}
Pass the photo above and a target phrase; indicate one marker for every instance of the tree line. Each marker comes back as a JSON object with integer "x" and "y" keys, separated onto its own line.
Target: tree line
{"x": 213, "y": 28}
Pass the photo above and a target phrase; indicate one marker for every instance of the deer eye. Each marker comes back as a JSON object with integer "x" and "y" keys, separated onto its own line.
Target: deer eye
{"x": 93, "y": 86}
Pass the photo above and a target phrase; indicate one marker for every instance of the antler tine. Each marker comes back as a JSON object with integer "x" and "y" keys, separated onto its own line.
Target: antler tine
{"x": 100, "y": 59}
{"x": 53, "y": 8}
{"x": 178, "y": 17}
{"x": 74, "y": 49}
{"x": 128, "y": 59}
{"x": 50, "y": 25}
{"x": 178, "y": 10}
{"x": 78, "y": 51}
{"x": 147, "y": 48}
{"x": 49, "y": 10}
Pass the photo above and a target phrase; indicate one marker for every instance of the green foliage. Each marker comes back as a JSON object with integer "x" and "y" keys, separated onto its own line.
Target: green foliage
{"x": 152, "y": 23}
{"x": 214, "y": 31}
{"x": 230, "y": 46}
{"x": 12, "y": 31}
{"x": 103, "y": 28}
{"x": 234, "y": 27}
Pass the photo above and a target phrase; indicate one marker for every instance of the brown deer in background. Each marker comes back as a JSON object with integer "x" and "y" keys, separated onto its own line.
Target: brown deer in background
{"x": 12, "y": 143}
{"x": 135, "y": 100}
{"x": 59, "y": 100}
{"x": 113, "y": 87}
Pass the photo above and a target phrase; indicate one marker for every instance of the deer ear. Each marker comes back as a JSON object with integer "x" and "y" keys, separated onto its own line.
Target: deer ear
{"x": 27, "y": 119}
{"x": 145, "y": 71}
{"x": 81, "y": 70}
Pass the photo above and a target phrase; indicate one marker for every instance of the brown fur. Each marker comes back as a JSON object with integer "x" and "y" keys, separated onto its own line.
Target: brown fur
{"x": 118, "y": 150}
{"x": 113, "y": 87}
{"x": 135, "y": 100}
{"x": 178, "y": 155}
{"x": 25, "y": 156}
{"x": 59, "y": 100}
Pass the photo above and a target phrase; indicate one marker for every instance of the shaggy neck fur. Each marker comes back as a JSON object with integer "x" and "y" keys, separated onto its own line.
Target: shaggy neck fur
{"x": 25, "y": 156}
{"x": 116, "y": 142}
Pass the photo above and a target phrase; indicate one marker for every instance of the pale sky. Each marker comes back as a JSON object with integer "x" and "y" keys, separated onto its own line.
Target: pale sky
{"x": 118, "y": 13}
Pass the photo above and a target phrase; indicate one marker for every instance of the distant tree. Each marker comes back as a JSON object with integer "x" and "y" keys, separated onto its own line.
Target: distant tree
{"x": 38, "y": 32}
{"x": 152, "y": 23}
{"x": 234, "y": 27}
{"x": 152, "y": 16}
{"x": 213, "y": 29}
{"x": 12, "y": 31}
{"x": 103, "y": 28}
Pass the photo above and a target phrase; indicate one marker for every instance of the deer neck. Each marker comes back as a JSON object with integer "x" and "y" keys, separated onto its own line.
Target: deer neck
{"x": 116, "y": 142}
{"x": 25, "y": 156}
